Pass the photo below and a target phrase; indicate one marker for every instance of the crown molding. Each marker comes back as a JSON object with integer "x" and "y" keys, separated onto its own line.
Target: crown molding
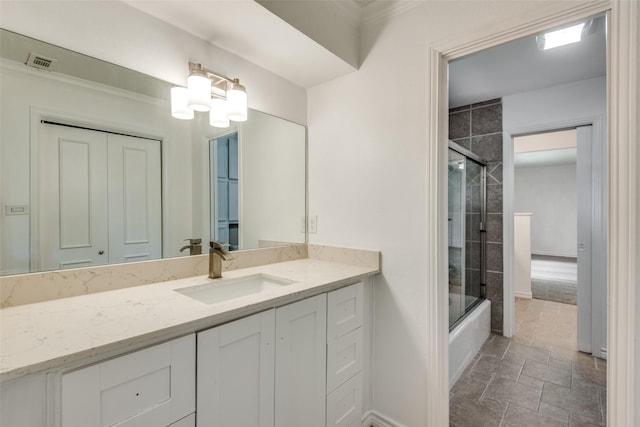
{"x": 349, "y": 10}
{"x": 381, "y": 10}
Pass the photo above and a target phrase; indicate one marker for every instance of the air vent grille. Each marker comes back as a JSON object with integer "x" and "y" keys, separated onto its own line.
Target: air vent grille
{"x": 40, "y": 61}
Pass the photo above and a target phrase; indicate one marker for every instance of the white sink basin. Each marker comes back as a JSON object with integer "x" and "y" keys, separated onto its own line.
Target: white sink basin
{"x": 219, "y": 290}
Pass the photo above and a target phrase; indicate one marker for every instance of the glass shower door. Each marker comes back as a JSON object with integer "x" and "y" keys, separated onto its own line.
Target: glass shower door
{"x": 457, "y": 225}
{"x": 466, "y": 221}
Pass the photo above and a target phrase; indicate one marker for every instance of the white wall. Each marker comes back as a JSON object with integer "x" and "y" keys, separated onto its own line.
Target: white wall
{"x": 367, "y": 174}
{"x": 116, "y": 32}
{"x": 549, "y": 193}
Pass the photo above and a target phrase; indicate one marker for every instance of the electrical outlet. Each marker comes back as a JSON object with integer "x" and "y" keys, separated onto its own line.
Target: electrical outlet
{"x": 313, "y": 224}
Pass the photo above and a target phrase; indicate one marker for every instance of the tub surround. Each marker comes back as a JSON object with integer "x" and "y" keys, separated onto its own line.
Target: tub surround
{"x": 96, "y": 325}
{"x": 467, "y": 338}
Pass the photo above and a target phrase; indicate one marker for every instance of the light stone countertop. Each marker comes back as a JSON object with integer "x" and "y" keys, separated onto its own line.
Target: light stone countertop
{"x": 88, "y": 328}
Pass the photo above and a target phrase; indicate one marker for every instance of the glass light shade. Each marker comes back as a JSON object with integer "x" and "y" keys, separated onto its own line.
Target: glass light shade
{"x": 199, "y": 87}
{"x": 218, "y": 115}
{"x": 237, "y": 103}
{"x": 180, "y": 104}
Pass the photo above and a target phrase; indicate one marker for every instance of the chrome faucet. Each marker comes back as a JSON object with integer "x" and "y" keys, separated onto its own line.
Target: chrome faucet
{"x": 194, "y": 246}
{"x": 216, "y": 255}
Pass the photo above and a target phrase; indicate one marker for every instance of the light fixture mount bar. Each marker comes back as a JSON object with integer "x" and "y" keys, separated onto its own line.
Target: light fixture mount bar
{"x": 219, "y": 82}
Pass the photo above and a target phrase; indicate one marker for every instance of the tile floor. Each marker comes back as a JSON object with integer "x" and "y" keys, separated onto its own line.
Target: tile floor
{"x": 536, "y": 378}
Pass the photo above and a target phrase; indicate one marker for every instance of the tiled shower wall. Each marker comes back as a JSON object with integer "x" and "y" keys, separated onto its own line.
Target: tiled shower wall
{"x": 478, "y": 128}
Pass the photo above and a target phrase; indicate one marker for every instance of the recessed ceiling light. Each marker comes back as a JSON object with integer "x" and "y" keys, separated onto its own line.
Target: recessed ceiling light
{"x": 560, "y": 37}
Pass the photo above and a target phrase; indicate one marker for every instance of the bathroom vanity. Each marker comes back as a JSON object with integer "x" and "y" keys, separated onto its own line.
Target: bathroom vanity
{"x": 285, "y": 348}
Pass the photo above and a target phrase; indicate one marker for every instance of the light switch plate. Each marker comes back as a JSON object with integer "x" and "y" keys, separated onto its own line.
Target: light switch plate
{"x": 16, "y": 209}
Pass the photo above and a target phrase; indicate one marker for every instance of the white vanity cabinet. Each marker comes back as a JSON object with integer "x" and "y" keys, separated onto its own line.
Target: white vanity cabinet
{"x": 301, "y": 367}
{"x": 264, "y": 370}
{"x": 151, "y": 387}
{"x": 296, "y": 365}
{"x": 344, "y": 356}
{"x": 236, "y": 373}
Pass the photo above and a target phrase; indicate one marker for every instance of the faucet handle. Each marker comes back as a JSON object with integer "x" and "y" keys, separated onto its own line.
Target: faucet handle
{"x": 193, "y": 242}
{"x": 217, "y": 245}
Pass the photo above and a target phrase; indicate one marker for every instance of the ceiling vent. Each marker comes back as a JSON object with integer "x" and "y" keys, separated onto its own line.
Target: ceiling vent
{"x": 41, "y": 62}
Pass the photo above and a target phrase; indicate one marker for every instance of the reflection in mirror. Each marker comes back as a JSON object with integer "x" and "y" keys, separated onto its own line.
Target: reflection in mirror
{"x": 94, "y": 170}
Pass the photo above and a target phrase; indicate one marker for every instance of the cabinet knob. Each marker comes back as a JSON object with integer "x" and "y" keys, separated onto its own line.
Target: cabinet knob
{"x": 100, "y": 252}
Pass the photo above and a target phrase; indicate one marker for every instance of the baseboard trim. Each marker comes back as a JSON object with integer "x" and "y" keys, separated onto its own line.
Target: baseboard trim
{"x": 375, "y": 419}
{"x": 556, "y": 254}
{"x": 526, "y": 295}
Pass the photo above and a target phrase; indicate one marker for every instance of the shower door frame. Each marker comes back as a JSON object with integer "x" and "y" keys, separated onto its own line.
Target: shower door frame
{"x": 483, "y": 229}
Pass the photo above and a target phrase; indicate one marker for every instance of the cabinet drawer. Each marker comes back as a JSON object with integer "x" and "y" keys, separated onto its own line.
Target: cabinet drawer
{"x": 344, "y": 311}
{"x": 344, "y": 405}
{"x": 344, "y": 359}
{"x": 151, "y": 387}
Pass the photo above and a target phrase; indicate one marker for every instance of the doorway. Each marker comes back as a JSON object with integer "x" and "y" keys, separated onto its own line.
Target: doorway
{"x": 524, "y": 111}
{"x": 620, "y": 108}
{"x": 224, "y": 197}
{"x": 570, "y": 92}
{"x": 553, "y": 244}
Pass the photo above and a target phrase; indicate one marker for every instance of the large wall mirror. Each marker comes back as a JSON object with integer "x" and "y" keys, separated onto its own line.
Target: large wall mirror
{"x": 94, "y": 170}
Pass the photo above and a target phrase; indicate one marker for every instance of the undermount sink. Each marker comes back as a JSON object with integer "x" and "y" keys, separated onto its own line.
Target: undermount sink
{"x": 219, "y": 290}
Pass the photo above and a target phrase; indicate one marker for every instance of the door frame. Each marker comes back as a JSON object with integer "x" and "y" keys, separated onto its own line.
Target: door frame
{"x": 591, "y": 335}
{"x": 623, "y": 239}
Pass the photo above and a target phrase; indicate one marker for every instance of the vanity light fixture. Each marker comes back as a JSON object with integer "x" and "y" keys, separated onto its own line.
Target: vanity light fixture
{"x": 561, "y": 37}
{"x": 224, "y": 98}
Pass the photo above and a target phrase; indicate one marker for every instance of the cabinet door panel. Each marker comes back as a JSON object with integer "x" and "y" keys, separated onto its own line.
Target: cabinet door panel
{"x": 233, "y": 200}
{"x": 151, "y": 387}
{"x": 344, "y": 358}
{"x": 236, "y": 373}
{"x": 344, "y": 406}
{"x": 301, "y": 363}
{"x": 344, "y": 311}
{"x": 23, "y": 401}
{"x": 189, "y": 421}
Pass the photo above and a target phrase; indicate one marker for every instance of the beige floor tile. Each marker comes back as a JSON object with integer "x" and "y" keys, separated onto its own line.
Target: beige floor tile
{"x": 535, "y": 378}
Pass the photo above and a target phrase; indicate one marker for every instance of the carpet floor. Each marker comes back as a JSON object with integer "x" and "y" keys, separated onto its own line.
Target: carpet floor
{"x": 554, "y": 279}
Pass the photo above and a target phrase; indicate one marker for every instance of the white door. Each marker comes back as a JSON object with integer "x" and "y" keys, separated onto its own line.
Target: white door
{"x": 301, "y": 338}
{"x": 99, "y": 198}
{"x": 73, "y": 201}
{"x": 585, "y": 262}
{"x": 135, "y": 207}
{"x": 235, "y": 384}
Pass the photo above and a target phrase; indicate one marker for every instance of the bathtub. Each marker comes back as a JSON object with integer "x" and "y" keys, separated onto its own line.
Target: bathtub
{"x": 467, "y": 338}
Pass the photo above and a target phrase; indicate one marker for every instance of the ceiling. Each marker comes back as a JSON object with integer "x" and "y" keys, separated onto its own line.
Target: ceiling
{"x": 519, "y": 66}
{"x": 306, "y": 42}
{"x": 249, "y": 30}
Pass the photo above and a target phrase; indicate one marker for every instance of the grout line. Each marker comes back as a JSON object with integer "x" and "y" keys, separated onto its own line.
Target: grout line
{"x": 504, "y": 414}
{"x": 486, "y": 388}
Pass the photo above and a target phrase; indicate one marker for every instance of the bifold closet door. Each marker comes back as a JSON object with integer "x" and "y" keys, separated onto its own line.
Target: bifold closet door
{"x": 99, "y": 198}
{"x": 135, "y": 206}
{"x": 72, "y": 202}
